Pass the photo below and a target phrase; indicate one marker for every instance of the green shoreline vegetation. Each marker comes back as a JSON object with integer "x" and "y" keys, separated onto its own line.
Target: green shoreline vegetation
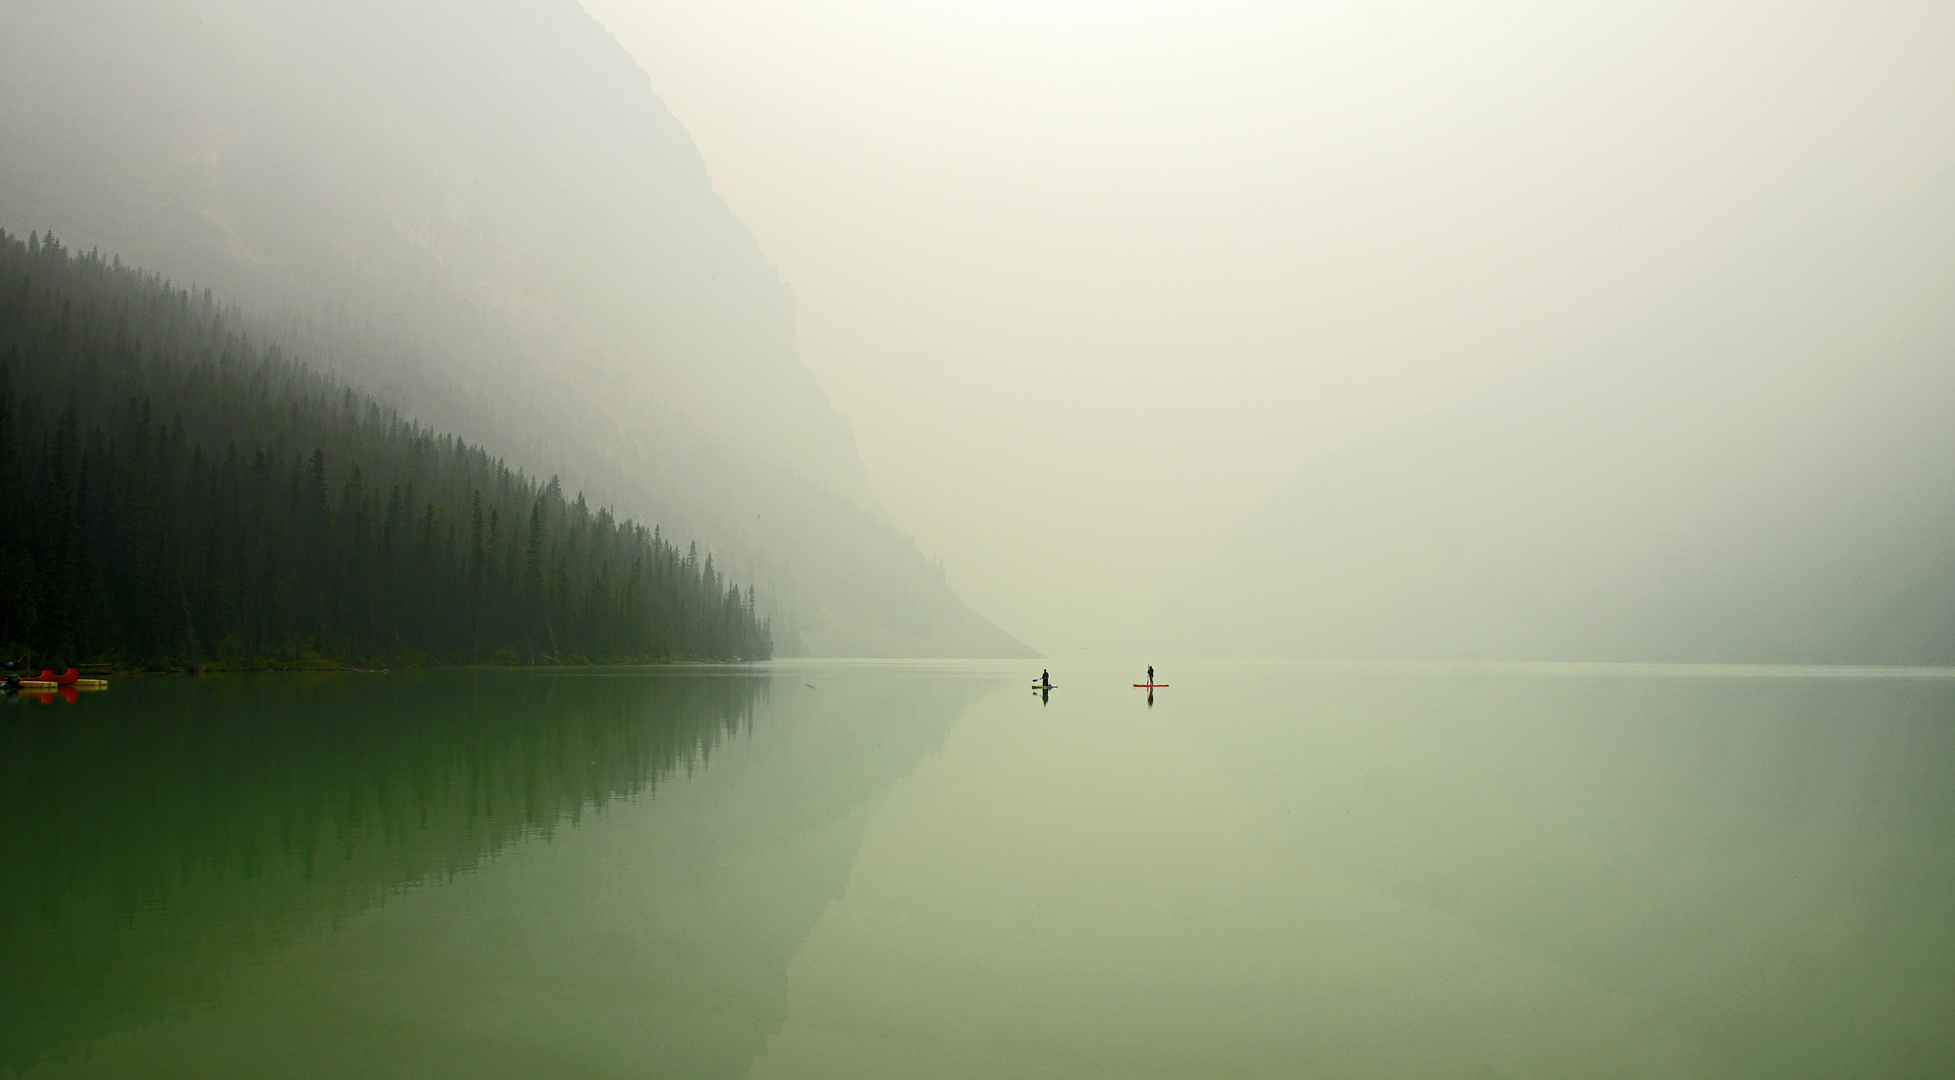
{"x": 178, "y": 497}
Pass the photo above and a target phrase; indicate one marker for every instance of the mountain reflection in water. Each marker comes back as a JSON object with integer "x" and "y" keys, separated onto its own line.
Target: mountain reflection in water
{"x": 897, "y": 870}
{"x": 160, "y": 835}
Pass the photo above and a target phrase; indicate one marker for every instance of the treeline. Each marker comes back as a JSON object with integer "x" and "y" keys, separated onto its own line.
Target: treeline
{"x": 177, "y": 495}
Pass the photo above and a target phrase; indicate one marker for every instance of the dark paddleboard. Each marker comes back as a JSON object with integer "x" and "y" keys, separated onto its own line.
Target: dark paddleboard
{"x": 1150, "y": 685}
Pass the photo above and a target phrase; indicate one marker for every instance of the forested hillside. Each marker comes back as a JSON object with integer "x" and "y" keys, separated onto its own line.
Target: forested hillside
{"x": 177, "y": 494}
{"x": 479, "y": 212}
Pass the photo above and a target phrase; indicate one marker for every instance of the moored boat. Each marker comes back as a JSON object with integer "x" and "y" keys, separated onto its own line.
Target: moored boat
{"x": 66, "y": 680}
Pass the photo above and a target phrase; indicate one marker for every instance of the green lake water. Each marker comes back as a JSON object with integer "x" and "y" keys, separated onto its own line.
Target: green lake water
{"x": 858, "y": 870}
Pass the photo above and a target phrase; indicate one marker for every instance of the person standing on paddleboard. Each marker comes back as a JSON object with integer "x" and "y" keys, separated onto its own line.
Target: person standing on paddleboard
{"x": 1045, "y": 678}
{"x": 1150, "y": 674}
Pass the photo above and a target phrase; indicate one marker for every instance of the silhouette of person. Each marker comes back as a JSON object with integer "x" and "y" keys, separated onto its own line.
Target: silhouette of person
{"x": 1150, "y": 674}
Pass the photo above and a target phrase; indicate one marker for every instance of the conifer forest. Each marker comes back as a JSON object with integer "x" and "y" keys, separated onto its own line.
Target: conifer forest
{"x": 179, "y": 496}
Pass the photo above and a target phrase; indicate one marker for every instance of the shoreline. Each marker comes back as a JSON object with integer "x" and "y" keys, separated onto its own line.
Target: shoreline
{"x": 101, "y": 670}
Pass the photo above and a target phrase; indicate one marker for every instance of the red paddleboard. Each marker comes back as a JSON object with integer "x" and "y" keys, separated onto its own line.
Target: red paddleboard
{"x": 1150, "y": 685}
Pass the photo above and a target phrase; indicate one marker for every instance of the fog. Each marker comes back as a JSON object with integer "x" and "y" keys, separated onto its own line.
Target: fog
{"x": 1512, "y": 438}
{"x": 1092, "y": 281}
{"x": 957, "y": 327}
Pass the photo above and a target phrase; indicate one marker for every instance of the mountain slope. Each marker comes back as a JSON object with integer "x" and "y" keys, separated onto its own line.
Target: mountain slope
{"x": 481, "y": 212}
{"x": 178, "y": 495}
{"x": 1760, "y": 473}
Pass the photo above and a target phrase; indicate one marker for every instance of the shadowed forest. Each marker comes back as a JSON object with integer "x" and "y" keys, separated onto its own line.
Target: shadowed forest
{"x": 188, "y": 497}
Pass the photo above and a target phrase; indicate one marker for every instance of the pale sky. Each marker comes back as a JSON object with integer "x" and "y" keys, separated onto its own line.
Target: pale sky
{"x": 1090, "y": 279}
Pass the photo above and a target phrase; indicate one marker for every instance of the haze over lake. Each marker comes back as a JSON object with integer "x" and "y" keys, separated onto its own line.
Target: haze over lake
{"x": 873, "y": 870}
{"x": 594, "y": 538}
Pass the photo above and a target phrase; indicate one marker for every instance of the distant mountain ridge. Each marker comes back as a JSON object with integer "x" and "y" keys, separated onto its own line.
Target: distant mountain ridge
{"x": 1761, "y": 473}
{"x": 480, "y": 212}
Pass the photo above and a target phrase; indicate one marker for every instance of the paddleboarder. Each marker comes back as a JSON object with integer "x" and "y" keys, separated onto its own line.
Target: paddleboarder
{"x": 1150, "y": 674}
{"x": 1045, "y": 678}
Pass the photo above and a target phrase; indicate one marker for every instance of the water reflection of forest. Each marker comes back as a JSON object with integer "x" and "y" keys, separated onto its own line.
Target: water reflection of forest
{"x": 158, "y": 835}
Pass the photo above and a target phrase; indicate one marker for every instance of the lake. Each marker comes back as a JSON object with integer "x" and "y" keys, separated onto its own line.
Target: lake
{"x": 868, "y": 870}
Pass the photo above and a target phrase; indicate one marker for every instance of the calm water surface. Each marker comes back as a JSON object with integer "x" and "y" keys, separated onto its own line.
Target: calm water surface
{"x": 924, "y": 870}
